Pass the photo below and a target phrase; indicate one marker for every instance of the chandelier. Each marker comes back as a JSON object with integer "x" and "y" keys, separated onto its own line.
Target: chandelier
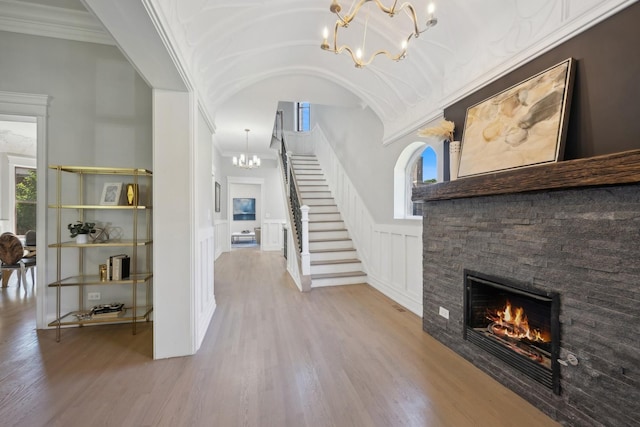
{"x": 244, "y": 161}
{"x": 358, "y": 54}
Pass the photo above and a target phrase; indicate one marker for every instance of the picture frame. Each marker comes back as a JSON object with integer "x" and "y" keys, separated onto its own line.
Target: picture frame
{"x": 111, "y": 192}
{"x": 217, "y": 197}
{"x": 522, "y": 126}
{"x": 244, "y": 209}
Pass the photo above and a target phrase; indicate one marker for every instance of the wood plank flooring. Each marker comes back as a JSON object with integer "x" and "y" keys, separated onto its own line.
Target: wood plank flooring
{"x": 272, "y": 356}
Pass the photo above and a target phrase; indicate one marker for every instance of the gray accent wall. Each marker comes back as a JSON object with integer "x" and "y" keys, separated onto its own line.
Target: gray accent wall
{"x": 583, "y": 244}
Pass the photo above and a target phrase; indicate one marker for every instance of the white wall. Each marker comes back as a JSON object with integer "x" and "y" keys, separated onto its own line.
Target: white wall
{"x": 204, "y": 303}
{"x": 270, "y": 213}
{"x": 99, "y": 114}
{"x": 251, "y": 191}
{"x": 390, "y": 253}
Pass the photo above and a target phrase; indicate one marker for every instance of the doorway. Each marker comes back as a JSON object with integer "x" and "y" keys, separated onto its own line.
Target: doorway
{"x": 26, "y": 110}
{"x": 18, "y": 209}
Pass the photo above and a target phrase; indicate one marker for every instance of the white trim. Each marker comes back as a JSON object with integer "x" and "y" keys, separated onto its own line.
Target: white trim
{"x": 35, "y": 105}
{"x": 402, "y": 189}
{"x": 48, "y": 21}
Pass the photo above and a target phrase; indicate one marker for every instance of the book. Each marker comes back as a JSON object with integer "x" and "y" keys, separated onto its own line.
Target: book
{"x": 111, "y": 274}
{"x": 121, "y": 266}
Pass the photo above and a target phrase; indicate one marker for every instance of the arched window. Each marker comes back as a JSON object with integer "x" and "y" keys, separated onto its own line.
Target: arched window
{"x": 419, "y": 162}
{"x": 423, "y": 172}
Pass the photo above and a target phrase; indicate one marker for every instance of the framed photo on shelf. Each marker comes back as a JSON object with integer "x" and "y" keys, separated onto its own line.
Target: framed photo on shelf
{"x": 111, "y": 193}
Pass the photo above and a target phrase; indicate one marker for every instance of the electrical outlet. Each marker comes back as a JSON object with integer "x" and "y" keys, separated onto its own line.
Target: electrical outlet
{"x": 444, "y": 312}
{"x": 93, "y": 296}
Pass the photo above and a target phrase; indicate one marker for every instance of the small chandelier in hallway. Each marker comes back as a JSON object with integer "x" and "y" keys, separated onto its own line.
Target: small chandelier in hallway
{"x": 357, "y": 53}
{"x": 244, "y": 161}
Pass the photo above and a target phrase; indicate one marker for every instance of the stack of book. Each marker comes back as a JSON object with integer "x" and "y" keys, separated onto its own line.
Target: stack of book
{"x": 118, "y": 267}
{"x": 108, "y": 311}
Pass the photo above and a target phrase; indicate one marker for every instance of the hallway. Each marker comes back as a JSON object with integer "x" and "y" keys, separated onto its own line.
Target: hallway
{"x": 343, "y": 356}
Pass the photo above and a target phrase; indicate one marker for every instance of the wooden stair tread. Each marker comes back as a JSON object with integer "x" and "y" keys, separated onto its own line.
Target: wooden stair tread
{"x": 335, "y": 239}
{"x": 324, "y": 221}
{"x": 336, "y": 275}
{"x": 322, "y": 251}
{"x": 330, "y": 229}
{"x": 335, "y": 261}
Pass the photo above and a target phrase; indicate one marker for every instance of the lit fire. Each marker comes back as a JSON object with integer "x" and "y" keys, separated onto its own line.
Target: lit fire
{"x": 512, "y": 322}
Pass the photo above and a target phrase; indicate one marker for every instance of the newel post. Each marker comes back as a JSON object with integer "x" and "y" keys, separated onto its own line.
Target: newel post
{"x": 305, "y": 256}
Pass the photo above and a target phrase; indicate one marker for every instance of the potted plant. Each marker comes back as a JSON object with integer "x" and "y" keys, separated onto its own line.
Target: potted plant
{"x": 80, "y": 230}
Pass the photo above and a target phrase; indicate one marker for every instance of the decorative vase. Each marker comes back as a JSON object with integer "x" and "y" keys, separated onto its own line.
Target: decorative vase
{"x": 454, "y": 159}
{"x": 81, "y": 239}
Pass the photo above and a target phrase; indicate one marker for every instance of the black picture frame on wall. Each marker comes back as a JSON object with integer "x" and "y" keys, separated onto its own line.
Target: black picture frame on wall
{"x": 217, "y": 197}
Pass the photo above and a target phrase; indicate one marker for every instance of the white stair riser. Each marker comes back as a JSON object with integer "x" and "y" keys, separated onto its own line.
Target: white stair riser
{"x": 315, "y": 202}
{"x": 339, "y": 234}
{"x": 308, "y": 172}
{"x": 318, "y": 226}
{"x": 338, "y": 281}
{"x": 315, "y": 194}
{"x": 310, "y": 181}
{"x": 330, "y": 256}
{"x": 304, "y": 188}
{"x": 300, "y": 166}
{"x": 323, "y": 210}
{"x": 334, "y": 244}
{"x": 336, "y": 268}
{"x": 324, "y": 217}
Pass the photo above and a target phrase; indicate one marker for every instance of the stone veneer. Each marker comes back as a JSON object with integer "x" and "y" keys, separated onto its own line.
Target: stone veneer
{"x": 582, "y": 243}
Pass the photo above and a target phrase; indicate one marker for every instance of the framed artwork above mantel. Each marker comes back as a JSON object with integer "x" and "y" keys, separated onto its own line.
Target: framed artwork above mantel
{"x": 524, "y": 125}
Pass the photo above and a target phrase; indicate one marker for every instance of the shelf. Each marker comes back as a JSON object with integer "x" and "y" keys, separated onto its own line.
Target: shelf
{"x": 125, "y": 207}
{"x": 610, "y": 169}
{"x": 110, "y": 243}
{"x": 126, "y": 318}
{"x": 95, "y": 280}
{"x": 83, "y": 176}
{"x": 97, "y": 170}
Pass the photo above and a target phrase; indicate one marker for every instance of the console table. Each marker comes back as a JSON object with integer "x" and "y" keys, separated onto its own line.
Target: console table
{"x": 238, "y": 236}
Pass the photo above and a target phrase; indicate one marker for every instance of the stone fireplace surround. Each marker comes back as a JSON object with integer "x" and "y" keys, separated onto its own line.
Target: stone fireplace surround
{"x": 582, "y": 242}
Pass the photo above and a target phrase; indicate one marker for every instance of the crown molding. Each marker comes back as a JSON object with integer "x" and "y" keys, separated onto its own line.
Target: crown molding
{"x": 47, "y": 21}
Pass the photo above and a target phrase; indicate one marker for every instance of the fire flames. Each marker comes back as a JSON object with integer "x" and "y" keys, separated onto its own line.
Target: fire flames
{"x": 513, "y": 323}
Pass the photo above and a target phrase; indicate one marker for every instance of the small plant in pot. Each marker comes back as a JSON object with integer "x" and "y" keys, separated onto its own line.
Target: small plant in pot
{"x": 80, "y": 230}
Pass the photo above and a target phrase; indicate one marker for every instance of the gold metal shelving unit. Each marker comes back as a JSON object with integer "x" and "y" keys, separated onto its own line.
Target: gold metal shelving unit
{"x": 134, "y": 312}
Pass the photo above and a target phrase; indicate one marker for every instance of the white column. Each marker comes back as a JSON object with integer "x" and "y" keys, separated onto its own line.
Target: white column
{"x": 173, "y": 275}
{"x": 305, "y": 256}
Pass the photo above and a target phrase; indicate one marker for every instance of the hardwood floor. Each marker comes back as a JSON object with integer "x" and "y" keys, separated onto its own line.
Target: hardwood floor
{"x": 344, "y": 356}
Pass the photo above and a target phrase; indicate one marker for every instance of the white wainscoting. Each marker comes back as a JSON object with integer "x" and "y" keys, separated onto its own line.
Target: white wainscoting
{"x": 391, "y": 254}
{"x": 222, "y": 236}
{"x": 271, "y": 235}
{"x": 204, "y": 297}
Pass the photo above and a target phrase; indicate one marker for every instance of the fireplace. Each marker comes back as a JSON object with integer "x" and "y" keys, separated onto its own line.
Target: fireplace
{"x": 514, "y": 323}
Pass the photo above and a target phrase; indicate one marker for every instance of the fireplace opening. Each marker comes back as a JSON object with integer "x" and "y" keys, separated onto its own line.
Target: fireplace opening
{"x": 514, "y": 323}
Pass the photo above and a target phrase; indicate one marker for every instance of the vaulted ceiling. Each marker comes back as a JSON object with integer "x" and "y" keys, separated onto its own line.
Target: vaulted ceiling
{"x": 244, "y": 56}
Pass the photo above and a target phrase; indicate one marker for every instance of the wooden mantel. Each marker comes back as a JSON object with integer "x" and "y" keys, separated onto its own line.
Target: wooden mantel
{"x": 609, "y": 169}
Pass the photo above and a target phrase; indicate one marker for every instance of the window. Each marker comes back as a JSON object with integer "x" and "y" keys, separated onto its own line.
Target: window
{"x": 423, "y": 172}
{"x": 419, "y": 164}
{"x": 26, "y": 198}
{"x": 303, "y": 124}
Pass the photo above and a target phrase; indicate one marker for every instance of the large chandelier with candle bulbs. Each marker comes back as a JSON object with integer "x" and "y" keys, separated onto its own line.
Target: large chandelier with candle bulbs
{"x": 245, "y": 161}
{"x": 359, "y": 54}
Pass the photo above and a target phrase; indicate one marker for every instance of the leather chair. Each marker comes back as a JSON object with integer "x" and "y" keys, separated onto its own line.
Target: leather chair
{"x": 13, "y": 257}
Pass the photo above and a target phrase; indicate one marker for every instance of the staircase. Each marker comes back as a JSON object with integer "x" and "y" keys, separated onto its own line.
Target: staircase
{"x": 334, "y": 260}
